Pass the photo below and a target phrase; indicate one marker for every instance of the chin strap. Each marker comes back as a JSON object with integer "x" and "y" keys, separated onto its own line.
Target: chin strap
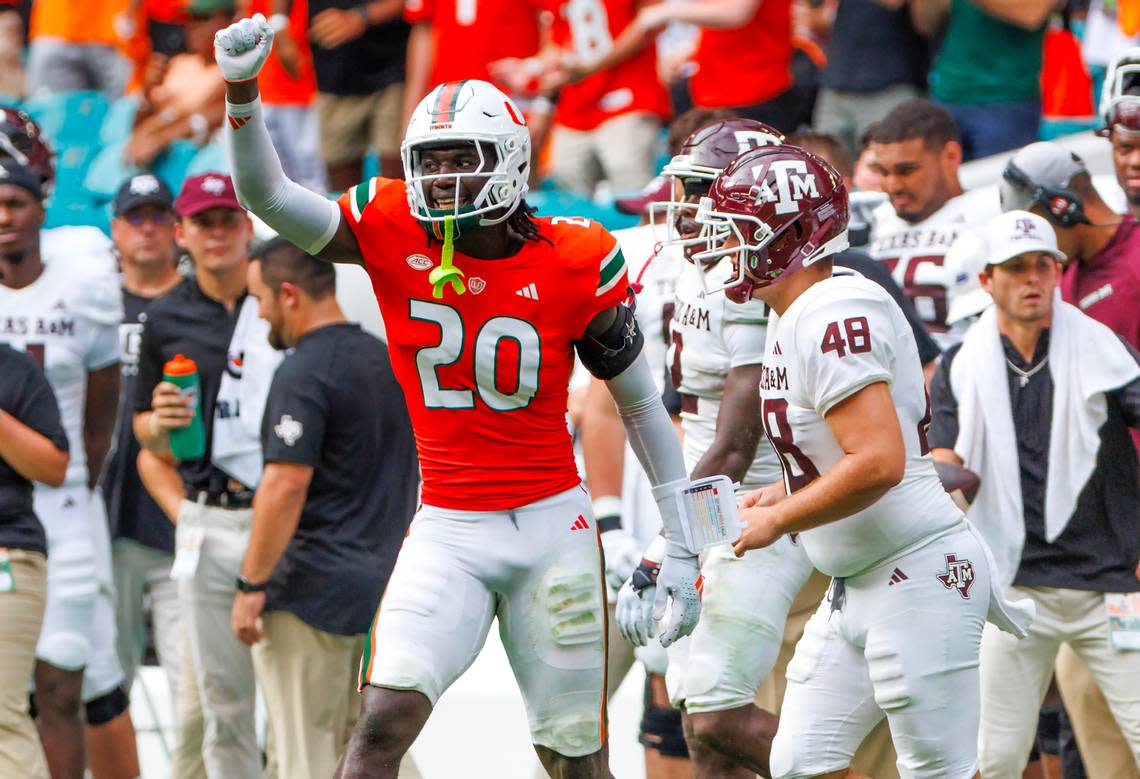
{"x": 447, "y": 273}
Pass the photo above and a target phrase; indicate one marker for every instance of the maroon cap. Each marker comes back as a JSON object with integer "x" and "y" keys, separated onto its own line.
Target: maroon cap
{"x": 209, "y": 190}
{"x": 660, "y": 188}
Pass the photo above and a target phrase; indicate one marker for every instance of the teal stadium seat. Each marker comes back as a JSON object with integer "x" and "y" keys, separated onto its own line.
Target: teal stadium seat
{"x": 556, "y": 202}
{"x": 71, "y": 164}
{"x": 69, "y": 118}
{"x": 62, "y": 213}
{"x": 119, "y": 121}
{"x": 211, "y": 157}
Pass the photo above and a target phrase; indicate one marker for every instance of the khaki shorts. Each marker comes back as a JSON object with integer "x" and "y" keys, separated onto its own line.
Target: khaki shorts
{"x": 352, "y": 124}
{"x": 21, "y": 614}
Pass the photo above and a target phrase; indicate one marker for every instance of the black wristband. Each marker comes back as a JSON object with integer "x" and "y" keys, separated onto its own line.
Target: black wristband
{"x": 245, "y": 585}
{"x": 606, "y": 524}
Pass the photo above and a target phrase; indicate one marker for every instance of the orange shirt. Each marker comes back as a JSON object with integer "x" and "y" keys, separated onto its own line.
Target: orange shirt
{"x": 169, "y": 11}
{"x": 485, "y": 373}
{"x": 588, "y": 28}
{"x": 276, "y": 86}
{"x": 468, "y": 34}
{"x": 77, "y": 21}
{"x": 747, "y": 65}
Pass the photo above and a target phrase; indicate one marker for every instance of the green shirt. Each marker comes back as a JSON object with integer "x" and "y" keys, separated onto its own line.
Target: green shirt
{"x": 986, "y": 60}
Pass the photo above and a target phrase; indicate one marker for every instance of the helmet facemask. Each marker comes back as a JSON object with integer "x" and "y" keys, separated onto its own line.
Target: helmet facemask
{"x": 485, "y": 195}
{"x": 668, "y": 217}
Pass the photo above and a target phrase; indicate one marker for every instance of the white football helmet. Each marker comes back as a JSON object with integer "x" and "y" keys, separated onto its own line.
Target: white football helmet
{"x": 469, "y": 112}
{"x": 1120, "y": 95}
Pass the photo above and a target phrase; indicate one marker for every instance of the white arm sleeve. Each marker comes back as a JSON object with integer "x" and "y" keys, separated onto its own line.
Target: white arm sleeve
{"x": 654, "y": 441}
{"x": 302, "y": 217}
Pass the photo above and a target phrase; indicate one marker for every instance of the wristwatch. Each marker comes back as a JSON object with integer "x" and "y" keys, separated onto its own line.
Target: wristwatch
{"x": 245, "y": 585}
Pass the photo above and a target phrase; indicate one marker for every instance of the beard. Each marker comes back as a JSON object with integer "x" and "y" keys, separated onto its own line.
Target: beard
{"x": 14, "y": 257}
{"x": 276, "y": 340}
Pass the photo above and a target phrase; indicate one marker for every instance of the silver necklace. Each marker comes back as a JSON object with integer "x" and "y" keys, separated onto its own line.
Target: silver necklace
{"x": 1025, "y": 376}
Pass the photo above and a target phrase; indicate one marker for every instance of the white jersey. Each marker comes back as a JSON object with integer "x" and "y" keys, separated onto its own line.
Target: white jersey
{"x": 77, "y": 245}
{"x": 914, "y": 252}
{"x": 653, "y": 275}
{"x": 841, "y": 335}
{"x": 711, "y": 335}
{"x": 68, "y": 321}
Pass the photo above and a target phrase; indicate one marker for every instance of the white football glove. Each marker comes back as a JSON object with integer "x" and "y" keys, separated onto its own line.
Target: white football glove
{"x": 242, "y": 48}
{"x": 679, "y": 580}
{"x": 634, "y": 614}
{"x": 622, "y": 555}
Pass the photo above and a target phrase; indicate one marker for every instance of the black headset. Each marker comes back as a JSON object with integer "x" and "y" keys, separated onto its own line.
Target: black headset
{"x": 1062, "y": 205}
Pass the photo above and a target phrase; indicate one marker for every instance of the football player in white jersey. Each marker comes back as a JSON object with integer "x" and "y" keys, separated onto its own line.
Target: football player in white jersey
{"x": 65, "y": 314}
{"x": 844, "y": 404}
{"x": 916, "y": 150}
{"x": 716, "y": 355}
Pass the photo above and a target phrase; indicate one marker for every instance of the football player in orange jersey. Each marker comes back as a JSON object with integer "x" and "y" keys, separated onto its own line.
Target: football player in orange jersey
{"x": 485, "y": 306}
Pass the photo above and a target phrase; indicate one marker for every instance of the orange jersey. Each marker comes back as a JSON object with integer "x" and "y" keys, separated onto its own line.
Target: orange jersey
{"x": 485, "y": 373}
{"x": 469, "y": 34}
{"x": 588, "y": 28}
{"x": 747, "y": 65}
{"x": 276, "y": 86}
{"x": 77, "y": 21}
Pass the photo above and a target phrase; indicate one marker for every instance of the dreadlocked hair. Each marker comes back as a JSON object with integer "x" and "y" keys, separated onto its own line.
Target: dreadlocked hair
{"x": 522, "y": 222}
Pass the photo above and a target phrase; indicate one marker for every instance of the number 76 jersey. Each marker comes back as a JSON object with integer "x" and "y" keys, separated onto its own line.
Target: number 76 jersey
{"x": 485, "y": 373}
{"x": 841, "y": 335}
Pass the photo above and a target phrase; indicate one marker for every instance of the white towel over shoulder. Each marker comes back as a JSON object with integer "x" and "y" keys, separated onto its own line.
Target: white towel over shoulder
{"x": 250, "y": 365}
{"x": 1086, "y": 360}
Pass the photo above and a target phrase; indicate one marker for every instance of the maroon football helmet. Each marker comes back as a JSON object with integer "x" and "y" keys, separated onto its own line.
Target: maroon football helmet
{"x": 22, "y": 140}
{"x": 784, "y": 207}
{"x": 704, "y": 154}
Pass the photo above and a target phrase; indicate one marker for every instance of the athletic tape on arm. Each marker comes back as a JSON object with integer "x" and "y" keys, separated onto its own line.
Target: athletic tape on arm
{"x": 298, "y": 215}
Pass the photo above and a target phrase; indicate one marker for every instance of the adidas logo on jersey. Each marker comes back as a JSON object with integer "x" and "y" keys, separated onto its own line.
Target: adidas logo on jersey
{"x": 896, "y": 577}
{"x": 776, "y": 349}
{"x": 528, "y": 292}
{"x": 580, "y": 523}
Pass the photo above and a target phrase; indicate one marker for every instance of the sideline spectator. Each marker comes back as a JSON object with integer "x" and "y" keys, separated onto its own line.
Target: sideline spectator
{"x": 11, "y": 49}
{"x": 198, "y": 320}
{"x": 334, "y": 503}
{"x": 65, "y": 313}
{"x": 452, "y": 40}
{"x": 33, "y": 447}
{"x": 916, "y": 150}
{"x": 988, "y": 68}
{"x": 611, "y": 103}
{"x": 875, "y": 60}
{"x": 183, "y": 98}
{"x": 743, "y": 57}
{"x": 1102, "y": 277}
{"x": 1067, "y": 535}
{"x": 358, "y": 56}
{"x": 288, "y": 89}
{"x": 75, "y": 45}
{"x": 142, "y": 538}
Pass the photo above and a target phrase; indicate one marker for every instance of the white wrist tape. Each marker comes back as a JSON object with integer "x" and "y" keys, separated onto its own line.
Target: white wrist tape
{"x": 607, "y": 506}
{"x": 301, "y": 217}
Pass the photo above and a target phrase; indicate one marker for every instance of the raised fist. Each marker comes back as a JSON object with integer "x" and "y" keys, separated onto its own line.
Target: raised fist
{"x": 242, "y": 48}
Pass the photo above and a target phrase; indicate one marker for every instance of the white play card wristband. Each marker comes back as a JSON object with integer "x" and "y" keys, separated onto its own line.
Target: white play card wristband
{"x": 708, "y": 512}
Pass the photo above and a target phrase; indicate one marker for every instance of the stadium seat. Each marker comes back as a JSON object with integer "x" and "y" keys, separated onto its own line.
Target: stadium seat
{"x": 61, "y": 213}
{"x": 69, "y": 118}
{"x": 172, "y": 164}
{"x": 119, "y": 121}
{"x": 107, "y": 171}
{"x": 71, "y": 164}
{"x": 211, "y": 157}
{"x": 556, "y": 202}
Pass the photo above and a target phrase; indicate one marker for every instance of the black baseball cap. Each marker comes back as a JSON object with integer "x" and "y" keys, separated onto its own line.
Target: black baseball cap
{"x": 12, "y": 172}
{"x": 145, "y": 189}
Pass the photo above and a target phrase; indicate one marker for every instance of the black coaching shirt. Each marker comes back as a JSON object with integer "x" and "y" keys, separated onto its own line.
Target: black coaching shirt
{"x": 27, "y": 396}
{"x": 131, "y": 511}
{"x": 334, "y": 405}
{"x": 188, "y": 322}
{"x": 1099, "y": 548}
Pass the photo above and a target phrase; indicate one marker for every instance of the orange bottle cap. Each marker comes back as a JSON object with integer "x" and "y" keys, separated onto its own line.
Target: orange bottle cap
{"x": 181, "y": 365}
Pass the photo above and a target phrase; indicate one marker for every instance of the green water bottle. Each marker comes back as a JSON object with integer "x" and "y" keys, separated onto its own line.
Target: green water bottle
{"x": 186, "y": 443}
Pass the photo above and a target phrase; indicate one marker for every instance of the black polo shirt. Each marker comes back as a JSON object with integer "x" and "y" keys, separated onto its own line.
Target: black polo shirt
{"x": 873, "y": 47}
{"x": 188, "y": 322}
{"x": 362, "y": 66}
{"x": 1099, "y": 548}
{"x": 863, "y": 264}
{"x": 131, "y": 511}
{"x": 27, "y": 396}
{"x": 335, "y": 406}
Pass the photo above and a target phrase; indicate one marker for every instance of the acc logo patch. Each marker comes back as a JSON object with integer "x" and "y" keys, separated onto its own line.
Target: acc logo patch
{"x": 289, "y": 430}
{"x": 419, "y": 262}
{"x": 476, "y": 285}
{"x": 959, "y": 575}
